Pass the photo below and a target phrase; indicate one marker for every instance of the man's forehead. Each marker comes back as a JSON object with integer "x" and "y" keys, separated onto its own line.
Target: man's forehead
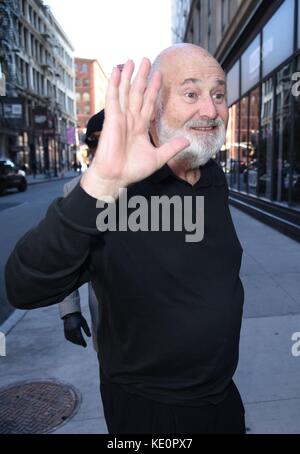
{"x": 192, "y": 80}
{"x": 193, "y": 70}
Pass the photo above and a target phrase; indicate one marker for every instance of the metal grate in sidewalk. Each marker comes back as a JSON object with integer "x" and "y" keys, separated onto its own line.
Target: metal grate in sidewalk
{"x": 36, "y": 407}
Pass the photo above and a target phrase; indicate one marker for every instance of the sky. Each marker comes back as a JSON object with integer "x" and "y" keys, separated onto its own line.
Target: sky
{"x": 114, "y": 30}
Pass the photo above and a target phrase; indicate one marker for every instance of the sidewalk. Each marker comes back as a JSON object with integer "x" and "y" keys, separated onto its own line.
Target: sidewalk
{"x": 42, "y": 178}
{"x": 36, "y": 350}
{"x": 268, "y": 375}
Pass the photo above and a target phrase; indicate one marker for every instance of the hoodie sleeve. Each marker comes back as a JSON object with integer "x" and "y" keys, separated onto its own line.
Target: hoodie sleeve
{"x": 52, "y": 259}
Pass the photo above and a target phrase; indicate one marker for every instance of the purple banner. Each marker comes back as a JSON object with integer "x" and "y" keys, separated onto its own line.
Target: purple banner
{"x": 71, "y": 136}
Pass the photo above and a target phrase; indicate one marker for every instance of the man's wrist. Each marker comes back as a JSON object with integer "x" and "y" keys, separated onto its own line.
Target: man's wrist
{"x": 65, "y": 317}
{"x": 99, "y": 188}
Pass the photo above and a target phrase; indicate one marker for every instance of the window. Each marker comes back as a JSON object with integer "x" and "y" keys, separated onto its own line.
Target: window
{"x": 223, "y": 15}
{"x": 78, "y": 97}
{"x": 86, "y": 96}
{"x": 295, "y": 159}
{"x": 42, "y": 85}
{"x": 298, "y": 24}
{"x": 209, "y": 45}
{"x": 70, "y": 106}
{"x": 232, "y": 146}
{"x": 32, "y": 46}
{"x": 266, "y": 148}
{"x": 36, "y": 51}
{"x": 278, "y": 37}
{"x": 84, "y": 68}
{"x": 34, "y": 80}
{"x": 209, "y": 7}
{"x": 250, "y": 65}
{"x": 198, "y": 19}
{"x": 30, "y": 14}
{"x": 243, "y": 143}
{"x": 252, "y": 164}
{"x": 233, "y": 83}
{"x": 25, "y": 39}
{"x": 26, "y": 72}
{"x": 85, "y": 82}
{"x": 282, "y": 168}
{"x": 49, "y": 89}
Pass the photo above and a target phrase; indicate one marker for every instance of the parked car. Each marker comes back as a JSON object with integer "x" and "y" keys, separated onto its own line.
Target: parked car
{"x": 11, "y": 176}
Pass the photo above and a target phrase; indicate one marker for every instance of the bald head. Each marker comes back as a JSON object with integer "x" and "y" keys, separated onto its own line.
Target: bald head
{"x": 181, "y": 52}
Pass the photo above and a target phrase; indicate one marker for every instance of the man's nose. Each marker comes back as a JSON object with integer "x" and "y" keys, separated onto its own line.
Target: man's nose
{"x": 207, "y": 108}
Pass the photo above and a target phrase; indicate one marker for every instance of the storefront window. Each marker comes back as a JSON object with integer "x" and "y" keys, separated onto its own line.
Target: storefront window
{"x": 232, "y": 147}
{"x": 252, "y": 164}
{"x": 250, "y": 65}
{"x": 265, "y": 152}
{"x": 278, "y": 37}
{"x": 282, "y": 167}
{"x": 298, "y": 24}
{"x": 233, "y": 83}
{"x": 243, "y": 142}
{"x": 295, "y": 164}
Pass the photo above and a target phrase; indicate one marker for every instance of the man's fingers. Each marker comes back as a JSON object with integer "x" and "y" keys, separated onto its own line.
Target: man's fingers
{"x": 112, "y": 103}
{"x": 85, "y": 327}
{"x": 151, "y": 96}
{"x": 124, "y": 87}
{"x": 139, "y": 86}
{"x": 75, "y": 336}
{"x": 79, "y": 339}
{"x": 171, "y": 149}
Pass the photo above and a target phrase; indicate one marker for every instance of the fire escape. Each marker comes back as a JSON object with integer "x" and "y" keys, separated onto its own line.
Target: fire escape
{"x": 9, "y": 43}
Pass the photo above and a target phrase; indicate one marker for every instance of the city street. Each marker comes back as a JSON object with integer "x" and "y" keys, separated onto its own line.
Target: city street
{"x": 220, "y": 77}
{"x": 20, "y": 211}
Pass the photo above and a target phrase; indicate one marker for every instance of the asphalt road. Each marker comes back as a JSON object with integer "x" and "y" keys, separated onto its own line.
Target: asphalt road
{"x": 19, "y": 211}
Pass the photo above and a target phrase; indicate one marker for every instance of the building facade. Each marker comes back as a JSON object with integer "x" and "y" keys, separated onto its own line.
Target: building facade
{"x": 91, "y": 84}
{"x": 37, "y": 113}
{"x": 258, "y": 44}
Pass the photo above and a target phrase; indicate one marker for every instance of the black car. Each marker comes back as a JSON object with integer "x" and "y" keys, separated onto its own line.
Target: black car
{"x": 11, "y": 176}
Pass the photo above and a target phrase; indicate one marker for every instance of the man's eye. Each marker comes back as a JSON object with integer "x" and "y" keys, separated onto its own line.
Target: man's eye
{"x": 190, "y": 95}
{"x": 219, "y": 96}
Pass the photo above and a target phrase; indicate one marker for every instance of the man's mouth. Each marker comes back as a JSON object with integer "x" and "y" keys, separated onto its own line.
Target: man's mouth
{"x": 203, "y": 128}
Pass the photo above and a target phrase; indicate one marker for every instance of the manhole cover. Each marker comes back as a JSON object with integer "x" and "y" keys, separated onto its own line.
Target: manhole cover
{"x": 36, "y": 407}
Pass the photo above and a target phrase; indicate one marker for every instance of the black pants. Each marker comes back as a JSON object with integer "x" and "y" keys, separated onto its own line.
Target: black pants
{"x": 127, "y": 413}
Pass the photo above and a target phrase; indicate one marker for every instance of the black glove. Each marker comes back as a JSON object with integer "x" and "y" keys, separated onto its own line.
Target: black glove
{"x": 72, "y": 328}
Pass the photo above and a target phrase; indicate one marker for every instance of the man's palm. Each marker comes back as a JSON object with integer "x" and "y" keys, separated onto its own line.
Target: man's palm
{"x": 125, "y": 154}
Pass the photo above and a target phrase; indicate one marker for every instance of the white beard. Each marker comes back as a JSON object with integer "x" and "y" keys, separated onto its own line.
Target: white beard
{"x": 202, "y": 148}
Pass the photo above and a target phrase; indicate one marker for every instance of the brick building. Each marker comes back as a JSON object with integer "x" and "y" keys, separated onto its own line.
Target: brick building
{"x": 91, "y": 83}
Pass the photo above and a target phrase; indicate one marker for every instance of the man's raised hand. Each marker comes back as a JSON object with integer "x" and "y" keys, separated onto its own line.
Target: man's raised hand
{"x": 125, "y": 154}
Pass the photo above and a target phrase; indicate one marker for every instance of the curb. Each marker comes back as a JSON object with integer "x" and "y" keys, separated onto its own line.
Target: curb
{"x": 12, "y": 321}
{"x": 49, "y": 180}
